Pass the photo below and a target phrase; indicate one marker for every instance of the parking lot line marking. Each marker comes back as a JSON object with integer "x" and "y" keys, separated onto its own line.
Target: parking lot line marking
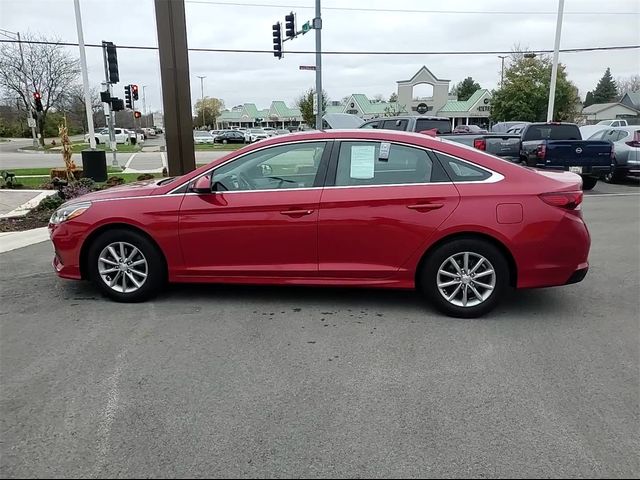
{"x": 596, "y": 195}
{"x": 130, "y": 160}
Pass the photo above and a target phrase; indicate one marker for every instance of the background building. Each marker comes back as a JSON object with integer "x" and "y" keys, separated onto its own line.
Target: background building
{"x": 475, "y": 111}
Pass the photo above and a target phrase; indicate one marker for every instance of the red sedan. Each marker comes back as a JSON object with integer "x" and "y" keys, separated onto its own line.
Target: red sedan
{"x": 349, "y": 208}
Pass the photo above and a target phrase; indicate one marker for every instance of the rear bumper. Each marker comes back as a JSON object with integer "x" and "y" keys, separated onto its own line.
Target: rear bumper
{"x": 578, "y": 276}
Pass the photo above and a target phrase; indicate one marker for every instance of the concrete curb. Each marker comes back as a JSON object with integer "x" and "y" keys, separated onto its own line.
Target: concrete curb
{"x": 14, "y": 240}
{"x": 25, "y": 208}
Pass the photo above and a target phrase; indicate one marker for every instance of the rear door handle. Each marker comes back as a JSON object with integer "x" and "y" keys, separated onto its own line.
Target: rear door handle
{"x": 296, "y": 213}
{"x": 425, "y": 207}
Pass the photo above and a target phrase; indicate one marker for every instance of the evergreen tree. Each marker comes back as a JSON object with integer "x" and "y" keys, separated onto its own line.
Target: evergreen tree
{"x": 466, "y": 88}
{"x": 606, "y": 91}
{"x": 589, "y": 99}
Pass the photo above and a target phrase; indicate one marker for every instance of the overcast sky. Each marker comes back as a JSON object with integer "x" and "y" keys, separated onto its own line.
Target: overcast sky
{"x": 260, "y": 78}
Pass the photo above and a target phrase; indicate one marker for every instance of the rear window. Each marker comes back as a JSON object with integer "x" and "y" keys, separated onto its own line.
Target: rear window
{"x": 395, "y": 125}
{"x": 552, "y": 132}
{"x": 442, "y": 126}
{"x": 461, "y": 171}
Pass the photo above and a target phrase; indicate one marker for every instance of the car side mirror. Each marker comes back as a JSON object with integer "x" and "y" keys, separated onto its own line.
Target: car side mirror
{"x": 202, "y": 185}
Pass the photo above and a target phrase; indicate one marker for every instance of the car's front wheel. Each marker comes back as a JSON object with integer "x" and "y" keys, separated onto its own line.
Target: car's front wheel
{"x": 126, "y": 266}
{"x": 589, "y": 182}
{"x": 465, "y": 278}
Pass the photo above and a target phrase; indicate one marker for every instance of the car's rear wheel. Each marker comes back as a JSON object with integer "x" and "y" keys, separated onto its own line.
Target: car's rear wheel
{"x": 126, "y": 266}
{"x": 97, "y": 141}
{"x": 225, "y": 141}
{"x": 589, "y": 182}
{"x": 465, "y": 278}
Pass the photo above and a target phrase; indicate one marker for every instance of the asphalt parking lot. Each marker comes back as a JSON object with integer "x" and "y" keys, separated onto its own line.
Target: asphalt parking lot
{"x": 211, "y": 381}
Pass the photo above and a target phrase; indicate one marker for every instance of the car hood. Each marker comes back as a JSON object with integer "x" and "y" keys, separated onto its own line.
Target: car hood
{"x": 136, "y": 189}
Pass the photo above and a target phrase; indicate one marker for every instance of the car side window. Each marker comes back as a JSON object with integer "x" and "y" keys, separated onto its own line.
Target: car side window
{"x": 395, "y": 125}
{"x": 359, "y": 164}
{"x": 598, "y": 135}
{"x": 370, "y": 125}
{"x": 275, "y": 168}
{"x": 461, "y": 171}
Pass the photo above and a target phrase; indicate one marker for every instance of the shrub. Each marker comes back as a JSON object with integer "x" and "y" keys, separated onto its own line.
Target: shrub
{"x": 52, "y": 202}
{"x": 114, "y": 181}
{"x": 79, "y": 188}
{"x": 145, "y": 176}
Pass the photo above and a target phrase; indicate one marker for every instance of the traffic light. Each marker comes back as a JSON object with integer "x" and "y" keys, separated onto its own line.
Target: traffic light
{"x": 112, "y": 62}
{"x": 117, "y": 104}
{"x": 137, "y": 114}
{"x": 127, "y": 96}
{"x": 134, "y": 92}
{"x": 290, "y": 25}
{"x": 37, "y": 99}
{"x": 277, "y": 40}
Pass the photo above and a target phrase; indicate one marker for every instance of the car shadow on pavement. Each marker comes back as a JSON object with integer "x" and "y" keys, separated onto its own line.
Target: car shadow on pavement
{"x": 544, "y": 301}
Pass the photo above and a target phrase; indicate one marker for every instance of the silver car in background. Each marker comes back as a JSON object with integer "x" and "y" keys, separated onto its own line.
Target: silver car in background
{"x": 626, "y": 151}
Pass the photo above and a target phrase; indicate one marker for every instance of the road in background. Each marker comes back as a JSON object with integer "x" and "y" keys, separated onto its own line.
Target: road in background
{"x": 212, "y": 381}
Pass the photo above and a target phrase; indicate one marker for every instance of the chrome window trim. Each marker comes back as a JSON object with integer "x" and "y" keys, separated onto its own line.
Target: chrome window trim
{"x": 494, "y": 176}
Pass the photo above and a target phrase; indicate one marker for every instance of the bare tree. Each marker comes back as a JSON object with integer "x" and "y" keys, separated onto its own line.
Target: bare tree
{"x": 48, "y": 68}
{"x": 628, "y": 84}
{"x": 73, "y": 103}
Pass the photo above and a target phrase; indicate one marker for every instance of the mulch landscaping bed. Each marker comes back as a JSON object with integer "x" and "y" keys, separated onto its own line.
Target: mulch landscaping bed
{"x": 33, "y": 219}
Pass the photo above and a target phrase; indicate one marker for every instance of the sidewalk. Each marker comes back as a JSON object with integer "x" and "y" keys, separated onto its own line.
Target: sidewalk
{"x": 16, "y": 203}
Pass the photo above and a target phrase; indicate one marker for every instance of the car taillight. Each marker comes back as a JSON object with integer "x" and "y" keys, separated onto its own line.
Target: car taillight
{"x": 567, "y": 200}
{"x": 542, "y": 151}
{"x": 480, "y": 144}
{"x": 636, "y": 140}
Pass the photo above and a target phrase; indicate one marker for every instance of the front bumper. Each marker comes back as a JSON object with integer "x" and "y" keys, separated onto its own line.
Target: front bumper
{"x": 67, "y": 244}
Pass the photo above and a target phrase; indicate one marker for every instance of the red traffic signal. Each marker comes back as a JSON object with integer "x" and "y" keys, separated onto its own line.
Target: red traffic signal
{"x": 134, "y": 92}
{"x": 37, "y": 99}
{"x": 137, "y": 114}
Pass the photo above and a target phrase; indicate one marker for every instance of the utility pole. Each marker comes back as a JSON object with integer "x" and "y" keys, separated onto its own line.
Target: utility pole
{"x": 85, "y": 75}
{"x": 554, "y": 68}
{"x": 144, "y": 107}
{"x": 502, "y": 57}
{"x": 202, "y": 95}
{"x": 317, "y": 25}
{"x": 112, "y": 113}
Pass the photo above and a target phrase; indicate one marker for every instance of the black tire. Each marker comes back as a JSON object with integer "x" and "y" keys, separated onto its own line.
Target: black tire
{"x": 614, "y": 175}
{"x": 589, "y": 182}
{"x": 428, "y": 276}
{"x": 97, "y": 141}
{"x": 156, "y": 266}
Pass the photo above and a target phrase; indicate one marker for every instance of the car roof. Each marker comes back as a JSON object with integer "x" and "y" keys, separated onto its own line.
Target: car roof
{"x": 627, "y": 128}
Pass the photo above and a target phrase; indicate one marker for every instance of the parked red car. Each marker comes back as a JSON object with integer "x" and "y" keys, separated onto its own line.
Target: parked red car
{"x": 368, "y": 208}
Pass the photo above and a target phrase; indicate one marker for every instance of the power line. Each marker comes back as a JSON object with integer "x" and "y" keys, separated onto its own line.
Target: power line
{"x": 332, "y": 52}
{"x": 393, "y": 10}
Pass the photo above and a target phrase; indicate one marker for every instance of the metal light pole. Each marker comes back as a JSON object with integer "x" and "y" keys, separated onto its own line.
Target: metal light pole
{"x": 317, "y": 25}
{"x": 502, "y": 57}
{"x": 16, "y": 36}
{"x": 202, "y": 95}
{"x": 554, "y": 68}
{"x": 85, "y": 75}
{"x": 144, "y": 106}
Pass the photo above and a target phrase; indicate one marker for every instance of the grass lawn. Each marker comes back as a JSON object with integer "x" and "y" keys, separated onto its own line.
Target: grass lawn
{"x": 218, "y": 147}
{"x": 78, "y": 147}
{"x": 36, "y": 182}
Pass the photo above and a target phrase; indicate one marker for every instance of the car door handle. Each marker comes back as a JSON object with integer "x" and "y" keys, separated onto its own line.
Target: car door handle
{"x": 296, "y": 213}
{"x": 425, "y": 207}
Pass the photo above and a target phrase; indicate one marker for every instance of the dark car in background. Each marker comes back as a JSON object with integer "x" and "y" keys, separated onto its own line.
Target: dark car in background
{"x": 559, "y": 146}
{"x": 230, "y": 136}
{"x": 411, "y": 123}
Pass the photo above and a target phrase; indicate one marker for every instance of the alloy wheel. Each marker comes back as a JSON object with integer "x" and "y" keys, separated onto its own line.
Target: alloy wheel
{"x": 466, "y": 279}
{"x": 123, "y": 267}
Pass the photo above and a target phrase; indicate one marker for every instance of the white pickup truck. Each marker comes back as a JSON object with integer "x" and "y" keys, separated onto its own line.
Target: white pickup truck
{"x": 122, "y": 136}
{"x": 613, "y": 123}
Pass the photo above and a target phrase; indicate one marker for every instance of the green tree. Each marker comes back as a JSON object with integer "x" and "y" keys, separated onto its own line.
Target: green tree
{"x": 48, "y": 68}
{"x": 588, "y": 100}
{"x": 207, "y": 111}
{"x": 393, "y": 97}
{"x": 466, "y": 88}
{"x": 606, "y": 91}
{"x": 525, "y": 93}
{"x": 305, "y": 104}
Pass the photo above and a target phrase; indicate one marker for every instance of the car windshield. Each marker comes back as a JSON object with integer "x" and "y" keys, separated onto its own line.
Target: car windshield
{"x": 201, "y": 134}
{"x": 256, "y": 130}
{"x": 604, "y": 122}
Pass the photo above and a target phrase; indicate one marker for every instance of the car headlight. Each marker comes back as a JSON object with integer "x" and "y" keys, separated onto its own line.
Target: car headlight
{"x": 67, "y": 212}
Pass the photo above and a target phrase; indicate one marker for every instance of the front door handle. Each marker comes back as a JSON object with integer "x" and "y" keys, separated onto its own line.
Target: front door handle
{"x": 296, "y": 213}
{"x": 425, "y": 207}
